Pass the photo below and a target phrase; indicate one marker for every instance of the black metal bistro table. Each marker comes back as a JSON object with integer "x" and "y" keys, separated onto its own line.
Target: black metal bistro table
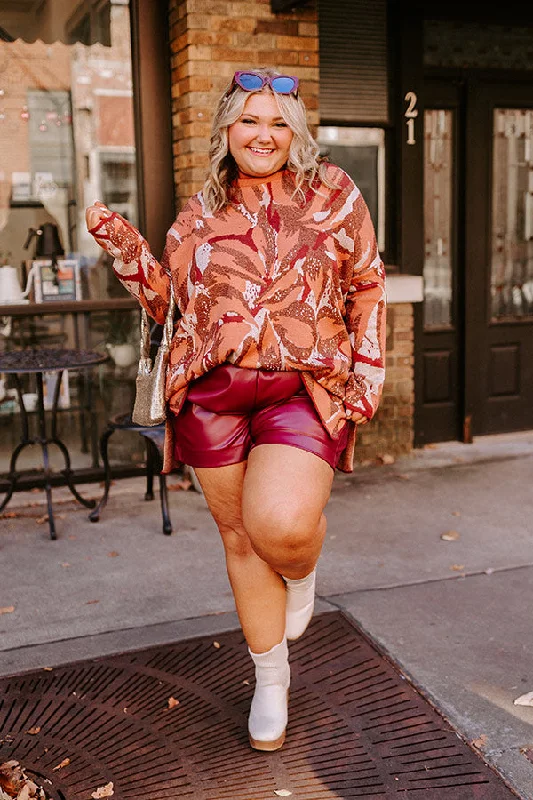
{"x": 38, "y": 362}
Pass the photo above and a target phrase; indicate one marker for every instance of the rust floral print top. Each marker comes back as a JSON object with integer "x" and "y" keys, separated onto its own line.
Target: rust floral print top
{"x": 274, "y": 282}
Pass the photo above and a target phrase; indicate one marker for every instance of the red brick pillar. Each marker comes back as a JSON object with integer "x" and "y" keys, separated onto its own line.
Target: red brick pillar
{"x": 210, "y": 40}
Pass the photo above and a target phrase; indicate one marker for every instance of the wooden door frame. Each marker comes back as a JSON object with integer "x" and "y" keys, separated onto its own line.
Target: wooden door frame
{"x": 152, "y": 104}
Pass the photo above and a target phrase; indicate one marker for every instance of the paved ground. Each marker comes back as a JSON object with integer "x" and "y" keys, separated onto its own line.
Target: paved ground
{"x": 455, "y": 615}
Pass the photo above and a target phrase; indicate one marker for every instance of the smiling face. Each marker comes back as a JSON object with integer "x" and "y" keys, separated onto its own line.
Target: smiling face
{"x": 260, "y": 139}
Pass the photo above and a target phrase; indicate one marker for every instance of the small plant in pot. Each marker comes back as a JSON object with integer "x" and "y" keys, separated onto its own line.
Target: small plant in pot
{"x": 122, "y": 337}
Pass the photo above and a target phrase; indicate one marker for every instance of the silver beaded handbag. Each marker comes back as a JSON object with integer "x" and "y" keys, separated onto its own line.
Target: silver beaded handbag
{"x": 150, "y": 407}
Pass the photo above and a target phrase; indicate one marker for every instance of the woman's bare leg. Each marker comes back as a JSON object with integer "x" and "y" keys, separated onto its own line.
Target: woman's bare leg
{"x": 258, "y": 590}
{"x": 284, "y": 494}
{"x": 269, "y": 512}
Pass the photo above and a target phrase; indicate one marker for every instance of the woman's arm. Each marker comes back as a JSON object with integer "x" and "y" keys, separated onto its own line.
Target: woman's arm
{"x": 365, "y": 316}
{"x": 134, "y": 264}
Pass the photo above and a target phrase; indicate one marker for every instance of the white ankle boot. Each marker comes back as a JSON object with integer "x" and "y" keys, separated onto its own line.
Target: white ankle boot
{"x": 268, "y": 712}
{"x": 300, "y": 604}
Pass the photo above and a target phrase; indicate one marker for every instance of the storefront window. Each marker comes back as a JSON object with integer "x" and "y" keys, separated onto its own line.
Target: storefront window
{"x": 66, "y": 128}
{"x": 66, "y": 139}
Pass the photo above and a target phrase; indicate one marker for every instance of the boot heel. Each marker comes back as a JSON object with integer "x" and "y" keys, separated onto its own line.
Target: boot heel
{"x": 269, "y": 746}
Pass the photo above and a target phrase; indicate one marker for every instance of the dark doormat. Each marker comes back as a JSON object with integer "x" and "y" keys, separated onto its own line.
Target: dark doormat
{"x": 357, "y": 728}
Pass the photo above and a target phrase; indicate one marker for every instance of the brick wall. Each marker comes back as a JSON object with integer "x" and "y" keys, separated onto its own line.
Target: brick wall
{"x": 390, "y": 433}
{"x": 210, "y": 40}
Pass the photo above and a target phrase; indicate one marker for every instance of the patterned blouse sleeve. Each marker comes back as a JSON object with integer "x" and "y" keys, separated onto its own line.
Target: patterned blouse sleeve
{"x": 365, "y": 314}
{"x": 137, "y": 268}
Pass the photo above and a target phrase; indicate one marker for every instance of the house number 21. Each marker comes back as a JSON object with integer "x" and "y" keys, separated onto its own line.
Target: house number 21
{"x": 411, "y": 112}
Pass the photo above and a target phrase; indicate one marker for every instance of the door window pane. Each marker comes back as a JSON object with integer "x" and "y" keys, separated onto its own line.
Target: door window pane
{"x": 438, "y": 218}
{"x": 512, "y": 214}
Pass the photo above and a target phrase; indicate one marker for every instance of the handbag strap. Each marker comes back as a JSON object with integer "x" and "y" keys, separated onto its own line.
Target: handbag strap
{"x": 168, "y": 327}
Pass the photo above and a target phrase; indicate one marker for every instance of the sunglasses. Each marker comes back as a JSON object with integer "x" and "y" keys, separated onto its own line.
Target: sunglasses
{"x": 253, "y": 82}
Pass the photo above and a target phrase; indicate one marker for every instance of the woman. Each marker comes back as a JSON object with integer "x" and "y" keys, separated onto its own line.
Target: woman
{"x": 277, "y": 355}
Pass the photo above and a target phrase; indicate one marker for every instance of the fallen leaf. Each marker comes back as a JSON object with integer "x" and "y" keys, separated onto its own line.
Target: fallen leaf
{"x": 282, "y": 792}
{"x": 104, "y": 791}
{"x": 430, "y": 447}
{"x": 481, "y": 742}
{"x": 457, "y": 567}
{"x": 64, "y": 763}
{"x": 9, "y": 515}
{"x": 113, "y": 554}
{"x": 524, "y": 699}
{"x": 65, "y": 564}
{"x": 387, "y": 459}
{"x": 42, "y": 520}
{"x": 403, "y": 477}
{"x": 34, "y": 731}
{"x": 172, "y": 702}
{"x": 456, "y": 513}
{"x": 72, "y": 537}
{"x": 450, "y": 536}
{"x": 11, "y": 777}
{"x": 217, "y": 645}
{"x": 7, "y": 610}
{"x": 246, "y": 682}
{"x": 180, "y": 486}
{"x": 48, "y": 669}
{"x": 91, "y": 602}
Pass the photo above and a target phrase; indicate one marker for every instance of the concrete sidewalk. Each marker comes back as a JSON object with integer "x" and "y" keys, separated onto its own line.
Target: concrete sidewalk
{"x": 453, "y": 614}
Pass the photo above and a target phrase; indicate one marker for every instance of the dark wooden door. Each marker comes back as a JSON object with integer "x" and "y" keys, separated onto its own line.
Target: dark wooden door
{"x": 499, "y": 257}
{"x": 476, "y": 337}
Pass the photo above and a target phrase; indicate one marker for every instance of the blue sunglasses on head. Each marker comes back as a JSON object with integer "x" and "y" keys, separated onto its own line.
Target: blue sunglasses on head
{"x": 251, "y": 81}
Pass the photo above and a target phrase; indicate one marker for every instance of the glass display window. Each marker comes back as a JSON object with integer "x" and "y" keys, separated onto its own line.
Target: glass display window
{"x": 66, "y": 129}
{"x": 67, "y": 138}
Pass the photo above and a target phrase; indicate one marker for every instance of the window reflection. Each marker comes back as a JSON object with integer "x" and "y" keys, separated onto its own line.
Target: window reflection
{"x": 66, "y": 139}
{"x": 66, "y": 127}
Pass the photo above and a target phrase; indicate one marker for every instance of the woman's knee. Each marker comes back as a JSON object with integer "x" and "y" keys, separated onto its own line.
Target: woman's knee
{"x": 285, "y": 538}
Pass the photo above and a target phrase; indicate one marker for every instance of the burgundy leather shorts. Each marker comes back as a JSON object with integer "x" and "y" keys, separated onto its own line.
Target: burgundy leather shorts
{"x": 230, "y": 410}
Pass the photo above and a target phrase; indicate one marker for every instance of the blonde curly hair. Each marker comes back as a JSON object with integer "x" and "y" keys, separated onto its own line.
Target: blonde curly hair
{"x": 304, "y": 158}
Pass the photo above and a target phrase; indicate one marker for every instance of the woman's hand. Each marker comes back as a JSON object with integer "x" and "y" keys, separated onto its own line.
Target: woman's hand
{"x": 356, "y": 416}
{"x": 95, "y": 213}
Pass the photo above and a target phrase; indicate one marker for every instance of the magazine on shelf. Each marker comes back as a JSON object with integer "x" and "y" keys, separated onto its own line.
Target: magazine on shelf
{"x": 60, "y": 283}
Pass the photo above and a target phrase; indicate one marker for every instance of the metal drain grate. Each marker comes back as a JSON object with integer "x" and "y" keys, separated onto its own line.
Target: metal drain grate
{"x": 357, "y": 729}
